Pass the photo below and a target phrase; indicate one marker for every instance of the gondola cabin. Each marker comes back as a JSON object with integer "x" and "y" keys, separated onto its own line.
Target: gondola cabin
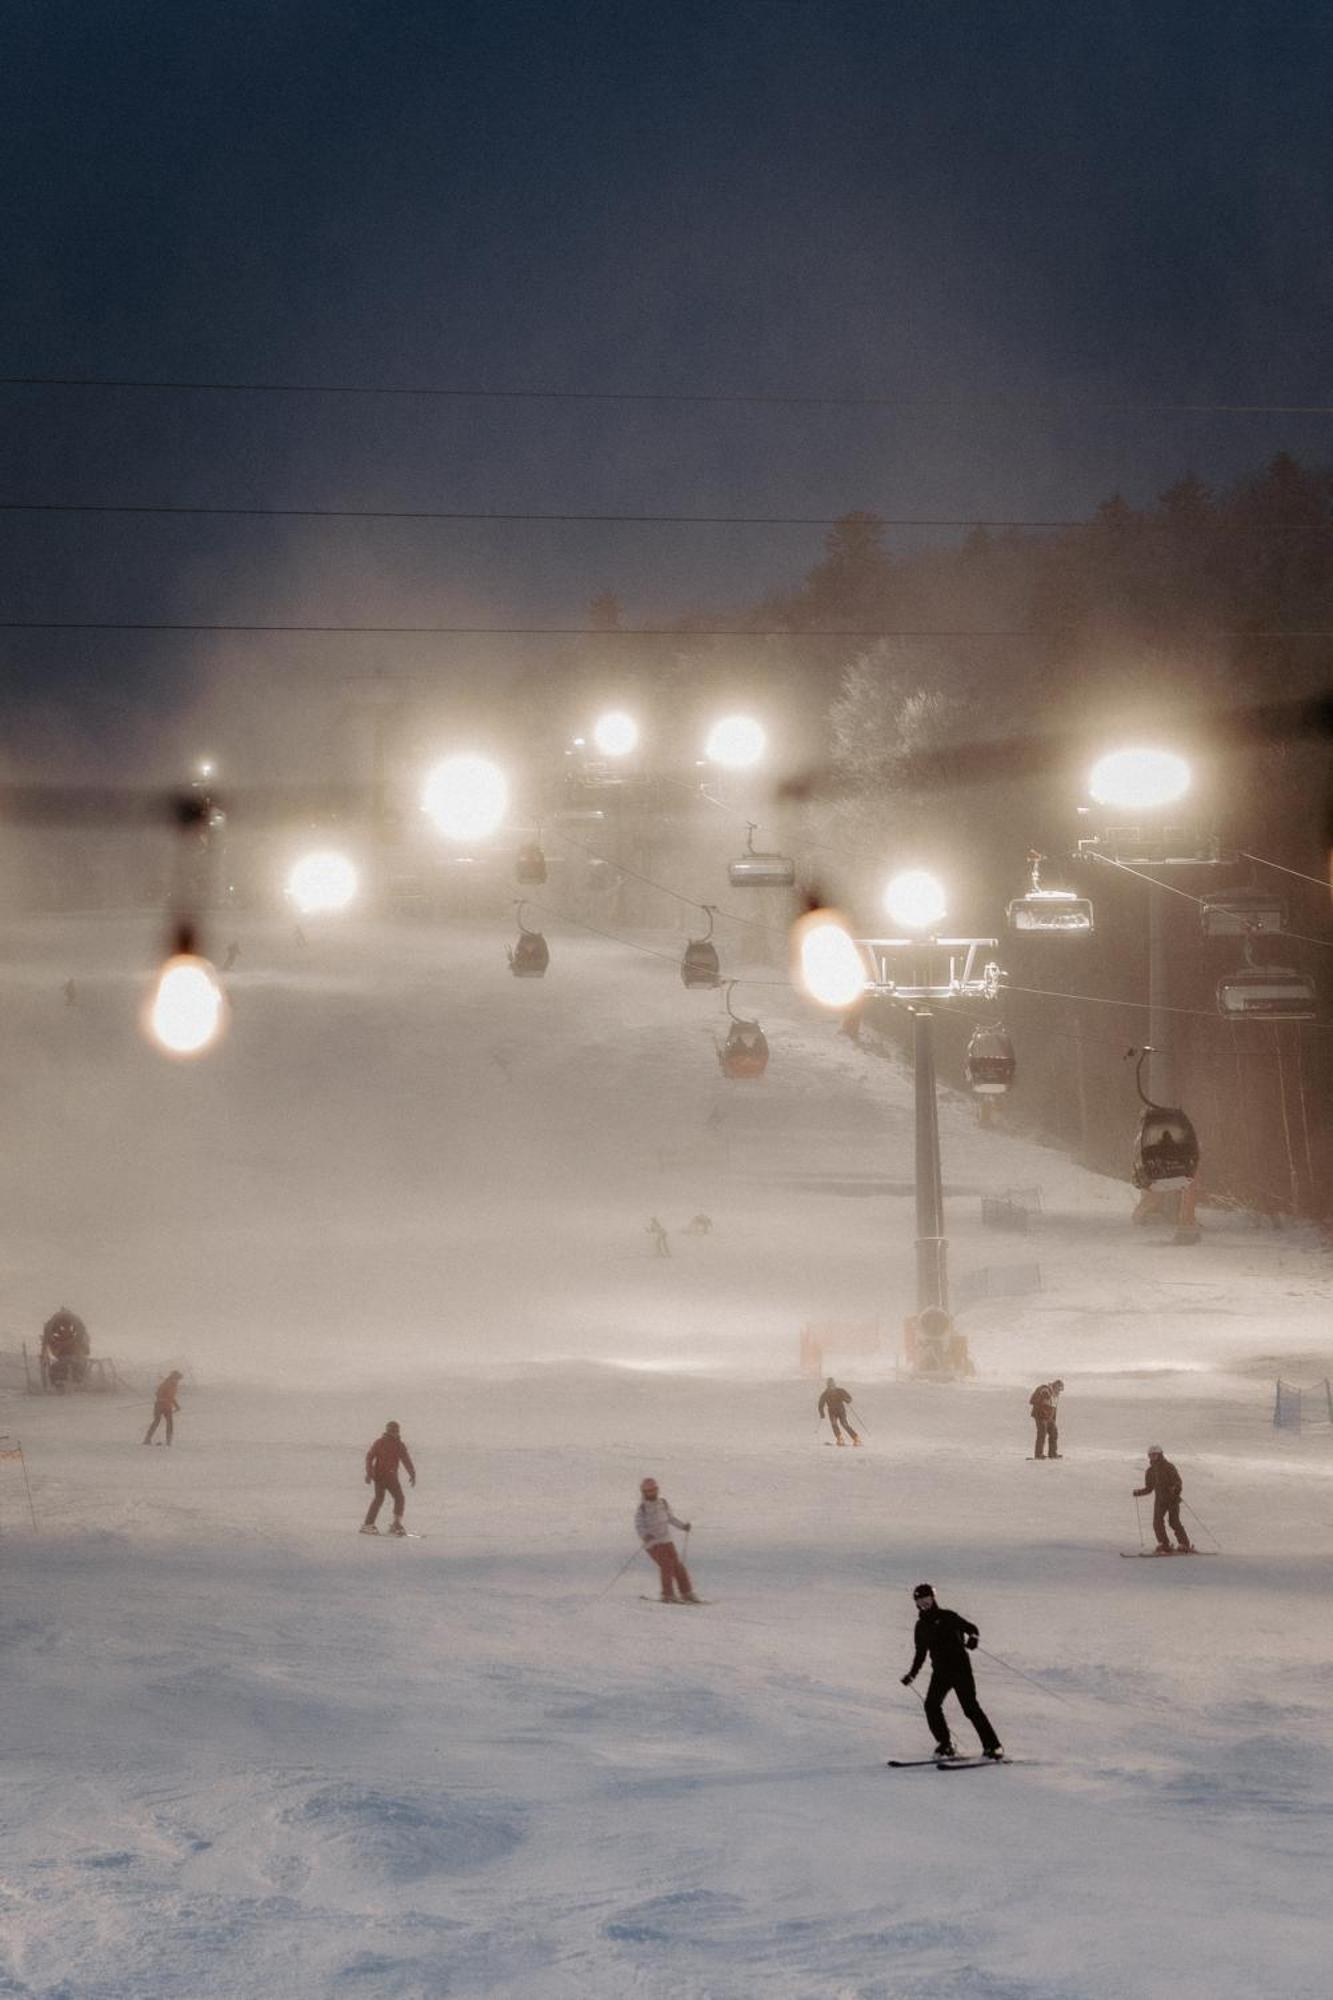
{"x": 1242, "y": 913}
{"x": 990, "y": 1062}
{"x": 744, "y": 1054}
{"x": 529, "y": 956}
{"x": 1266, "y": 993}
{"x": 530, "y": 863}
{"x": 699, "y": 966}
{"x": 1166, "y": 1151}
{"x": 761, "y": 871}
{"x": 1057, "y": 912}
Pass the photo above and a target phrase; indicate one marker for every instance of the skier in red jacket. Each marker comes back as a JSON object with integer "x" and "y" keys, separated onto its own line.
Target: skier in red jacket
{"x": 382, "y": 1462}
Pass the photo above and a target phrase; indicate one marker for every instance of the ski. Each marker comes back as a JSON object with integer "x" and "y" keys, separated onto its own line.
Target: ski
{"x": 1152, "y": 1555}
{"x": 675, "y": 1600}
{"x": 408, "y": 1535}
{"x": 946, "y": 1763}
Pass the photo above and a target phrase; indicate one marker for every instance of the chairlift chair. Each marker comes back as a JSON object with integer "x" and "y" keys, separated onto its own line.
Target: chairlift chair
{"x": 744, "y": 1054}
{"x": 1056, "y": 912}
{"x": 755, "y": 870}
{"x": 1267, "y": 993}
{"x": 529, "y": 955}
{"x": 1166, "y": 1147}
{"x": 1242, "y": 913}
{"x": 699, "y": 966}
{"x": 990, "y": 1062}
{"x": 530, "y": 864}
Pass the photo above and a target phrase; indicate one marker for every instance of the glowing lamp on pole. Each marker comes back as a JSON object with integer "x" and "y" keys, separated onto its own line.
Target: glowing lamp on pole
{"x": 466, "y": 797}
{"x": 736, "y": 742}
{"x": 1139, "y": 780}
{"x": 186, "y": 1011}
{"x": 828, "y": 964}
{"x": 616, "y": 734}
{"x": 322, "y": 882}
{"x": 915, "y": 899}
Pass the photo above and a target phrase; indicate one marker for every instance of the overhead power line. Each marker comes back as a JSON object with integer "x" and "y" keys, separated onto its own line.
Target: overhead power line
{"x": 708, "y": 399}
{"x": 1183, "y": 635}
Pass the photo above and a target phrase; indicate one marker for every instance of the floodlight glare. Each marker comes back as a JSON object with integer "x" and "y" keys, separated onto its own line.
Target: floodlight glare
{"x": 737, "y": 742}
{"x": 616, "y": 733}
{"x": 915, "y": 899}
{"x": 1141, "y": 780}
{"x": 827, "y": 963}
{"x": 187, "y": 1010}
{"x": 322, "y": 882}
{"x": 467, "y": 797}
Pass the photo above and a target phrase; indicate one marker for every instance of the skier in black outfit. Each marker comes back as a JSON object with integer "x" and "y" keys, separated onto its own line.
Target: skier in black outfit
{"x": 1165, "y": 1484}
{"x": 948, "y": 1638}
{"x": 835, "y": 1400}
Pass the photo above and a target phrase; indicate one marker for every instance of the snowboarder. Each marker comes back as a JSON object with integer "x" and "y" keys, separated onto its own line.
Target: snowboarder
{"x": 948, "y": 1638}
{"x": 657, "y": 1230}
{"x": 65, "y": 1349}
{"x": 1044, "y": 1403}
{"x": 653, "y": 1522}
{"x": 382, "y": 1462}
{"x": 165, "y": 1405}
{"x": 1165, "y": 1484}
{"x": 834, "y": 1401}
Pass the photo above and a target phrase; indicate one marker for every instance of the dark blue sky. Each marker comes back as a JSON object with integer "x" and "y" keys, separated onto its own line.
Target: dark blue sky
{"x": 972, "y": 205}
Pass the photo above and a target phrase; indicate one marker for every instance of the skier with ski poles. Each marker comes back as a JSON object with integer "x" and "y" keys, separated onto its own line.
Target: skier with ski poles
{"x": 948, "y": 1638}
{"x": 1044, "y": 1403}
{"x": 653, "y": 1522}
{"x": 834, "y": 1402}
{"x": 1166, "y": 1486}
{"x": 382, "y": 1462}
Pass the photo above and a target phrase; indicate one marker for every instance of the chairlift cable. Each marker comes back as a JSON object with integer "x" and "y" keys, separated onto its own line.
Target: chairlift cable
{"x": 1263, "y": 862}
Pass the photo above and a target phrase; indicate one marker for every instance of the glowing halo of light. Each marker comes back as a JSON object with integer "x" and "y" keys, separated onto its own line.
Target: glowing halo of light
{"x": 321, "y": 882}
{"x": 466, "y": 797}
{"x": 916, "y": 900}
{"x": 616, "y": 734}
{"x": 187, "y": 1008}
{"x": 1139, "y": 779}
{"x": 827, "y": 964}
{"x": 737, "y": 742}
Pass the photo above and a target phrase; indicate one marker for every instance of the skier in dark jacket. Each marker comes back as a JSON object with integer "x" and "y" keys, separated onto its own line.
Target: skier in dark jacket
{"x": 1044, "y": 1402}
{"x": 165, "y": 1406}
{"x": 834, "y": 1401}
{"x": 1165, "y": 1484}
{"x": 948, "y": 1638}
{"x": 382, "y": 1462}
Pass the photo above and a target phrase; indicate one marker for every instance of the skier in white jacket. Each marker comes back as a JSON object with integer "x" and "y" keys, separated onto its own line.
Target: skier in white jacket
{"x": 653, "y": 1522}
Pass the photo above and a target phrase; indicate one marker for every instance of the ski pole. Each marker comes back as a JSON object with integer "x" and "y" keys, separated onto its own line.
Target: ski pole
{"x": 860, "y": 1425}
{"x": 1138, "y": 1516}
{"x": 28, "y": 1484}
{"x": 1203, "y": 1524}
{"x": 619, "y": 1573}
{"x": 1028, "y": 1677}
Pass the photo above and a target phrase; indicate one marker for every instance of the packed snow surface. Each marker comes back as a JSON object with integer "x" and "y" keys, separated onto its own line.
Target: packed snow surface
{"x": 251, "y": 1753}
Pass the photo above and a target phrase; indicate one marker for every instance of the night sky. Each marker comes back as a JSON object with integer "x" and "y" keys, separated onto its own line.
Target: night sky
{"x": 1013, "y": 214}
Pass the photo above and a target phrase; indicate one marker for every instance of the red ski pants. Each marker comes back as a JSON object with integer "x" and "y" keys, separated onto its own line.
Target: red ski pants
{"x": 393, "y": 1488}
{"x": 674, "y": 1574}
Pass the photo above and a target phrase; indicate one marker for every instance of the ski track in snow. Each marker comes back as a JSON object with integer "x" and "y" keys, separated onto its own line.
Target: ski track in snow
{"x": 250, "y": 1753}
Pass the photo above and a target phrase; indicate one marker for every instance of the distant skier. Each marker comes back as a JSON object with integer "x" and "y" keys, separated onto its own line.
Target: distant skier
{"x": 64, "y": 1350}
{"x": 1165, "y": 1484}
{"x": 834, "y": 1402}
{"x": 1044, "y": 1402}
{"x": 71, "y": 993}
{"x": 653, "y": 1522}
{"x": 382, "y": 1462}
{"x": 948, "y": 1638}
{"x": 165, "y": 1405}
{"x": 657, "y": 1230}
{"x": 233, "y": 953}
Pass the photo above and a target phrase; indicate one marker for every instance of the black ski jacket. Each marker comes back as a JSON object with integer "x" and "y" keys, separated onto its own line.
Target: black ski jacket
{"x": 1162, "y": 1479}
{"x": 946, "y": 1636}
{"x": 835, "y": 1401}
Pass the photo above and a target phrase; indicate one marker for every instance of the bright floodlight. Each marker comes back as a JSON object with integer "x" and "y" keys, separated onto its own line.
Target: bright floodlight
{"x": 1139, "y": 779}
{"x": 205, "y": 768}
{"x": 828, "y": 964}
{"x": 616, "y": 733}
{"x": 321, "y": 882}
{"x": 737, "y": 741}
{"x": 467, "y": 797}
{"x": 188, "y": 1009}
{"x": 915, "y": 900}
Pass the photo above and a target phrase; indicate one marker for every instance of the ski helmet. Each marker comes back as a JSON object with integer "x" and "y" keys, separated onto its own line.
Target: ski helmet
{"x": 392, "y": 1426}
{"x": 1155, "y": 1451}
{"x": 647, "y": 1486}
{"x": 923, "y": 1590}
{"x": 1057, "y": 1384}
